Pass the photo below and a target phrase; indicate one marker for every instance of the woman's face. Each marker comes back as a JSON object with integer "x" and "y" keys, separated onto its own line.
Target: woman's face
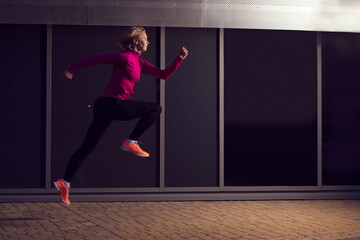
{"x": 142, "y": 43}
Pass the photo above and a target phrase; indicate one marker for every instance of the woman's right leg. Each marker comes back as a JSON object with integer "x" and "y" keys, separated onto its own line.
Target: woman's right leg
{"x": 96, "y": 130}
{"x": 100, "y": 123}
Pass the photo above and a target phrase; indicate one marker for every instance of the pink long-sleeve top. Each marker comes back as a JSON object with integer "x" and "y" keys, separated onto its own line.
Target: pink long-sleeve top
{"x": 126, "y": 71}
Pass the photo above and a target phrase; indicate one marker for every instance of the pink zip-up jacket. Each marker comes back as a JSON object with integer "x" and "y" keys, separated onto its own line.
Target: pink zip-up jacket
{"x": 126, "y": 72}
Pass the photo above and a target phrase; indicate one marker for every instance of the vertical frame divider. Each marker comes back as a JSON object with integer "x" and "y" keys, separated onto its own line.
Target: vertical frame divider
{"x": 162, "y": 116}
{"x": 48, "y": 108}
{"x": 221, "y": 108}
{"x": 319, "y": 109}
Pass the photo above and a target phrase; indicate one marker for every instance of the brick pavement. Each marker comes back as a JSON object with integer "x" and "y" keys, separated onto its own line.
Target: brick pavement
{"x": 208, "y": 220}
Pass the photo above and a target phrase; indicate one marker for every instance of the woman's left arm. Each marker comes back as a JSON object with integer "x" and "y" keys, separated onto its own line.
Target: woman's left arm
{"x": 154, "y": 71}
{"x": 101, "y": 58}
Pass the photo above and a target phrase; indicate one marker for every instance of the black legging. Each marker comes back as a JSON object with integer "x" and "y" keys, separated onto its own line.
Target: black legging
{"x": 106, "y": 110}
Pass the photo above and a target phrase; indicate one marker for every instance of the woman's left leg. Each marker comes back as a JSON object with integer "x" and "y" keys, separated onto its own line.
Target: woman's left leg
{"x": 147, "y": 111}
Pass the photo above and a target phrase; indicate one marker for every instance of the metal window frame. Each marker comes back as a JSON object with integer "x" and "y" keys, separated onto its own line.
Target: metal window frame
{"x": 319, "y": 109}
{"x": 48, "y": 108}
{"x": 162, "y": 116}
{"x": 221, "y": 110}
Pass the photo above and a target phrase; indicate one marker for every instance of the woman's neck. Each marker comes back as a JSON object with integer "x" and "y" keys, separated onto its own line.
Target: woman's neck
{"x": 134, "y": 48}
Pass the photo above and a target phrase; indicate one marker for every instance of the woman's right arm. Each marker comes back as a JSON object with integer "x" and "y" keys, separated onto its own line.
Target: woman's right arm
{"x": 101, "y": 58}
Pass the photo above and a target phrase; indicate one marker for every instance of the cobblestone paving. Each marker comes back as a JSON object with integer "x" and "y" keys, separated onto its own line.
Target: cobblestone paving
{"x": 208, "y": 220}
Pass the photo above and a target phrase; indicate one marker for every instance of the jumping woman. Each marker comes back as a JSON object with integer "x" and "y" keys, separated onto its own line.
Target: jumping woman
{"x": 115, "y": 103}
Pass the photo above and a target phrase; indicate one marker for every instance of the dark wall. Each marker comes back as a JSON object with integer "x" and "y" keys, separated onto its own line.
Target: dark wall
{"x": 270, "y": 108}
{"x": 341, "y": 108}
{"x": 191, "y": 146}
{"x": 22, "y": 107}
{"x": 108, "y": 165}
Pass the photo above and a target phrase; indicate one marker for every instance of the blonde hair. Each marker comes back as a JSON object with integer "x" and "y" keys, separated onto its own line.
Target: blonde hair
{"x": 127, "y": 39}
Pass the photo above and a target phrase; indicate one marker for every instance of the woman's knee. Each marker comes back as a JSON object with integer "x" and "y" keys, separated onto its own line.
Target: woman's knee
{"x": 157, "y": 108}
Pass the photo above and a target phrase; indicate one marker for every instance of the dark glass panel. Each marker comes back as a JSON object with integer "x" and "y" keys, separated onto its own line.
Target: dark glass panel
{"x": 270, "y": 108}
{"x": 341, "y": 108}
{"x": 22, "y": 108}
{"x": 191, "y": 146}
{"x": 108, "y": 165}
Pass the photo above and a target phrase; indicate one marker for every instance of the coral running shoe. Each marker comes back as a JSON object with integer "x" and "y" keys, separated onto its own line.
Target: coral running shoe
{"x": 133, "y": 147}
{"x": 63, "y": 191}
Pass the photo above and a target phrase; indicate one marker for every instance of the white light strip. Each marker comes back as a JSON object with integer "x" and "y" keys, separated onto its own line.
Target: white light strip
{"x": 308, "y": 15}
